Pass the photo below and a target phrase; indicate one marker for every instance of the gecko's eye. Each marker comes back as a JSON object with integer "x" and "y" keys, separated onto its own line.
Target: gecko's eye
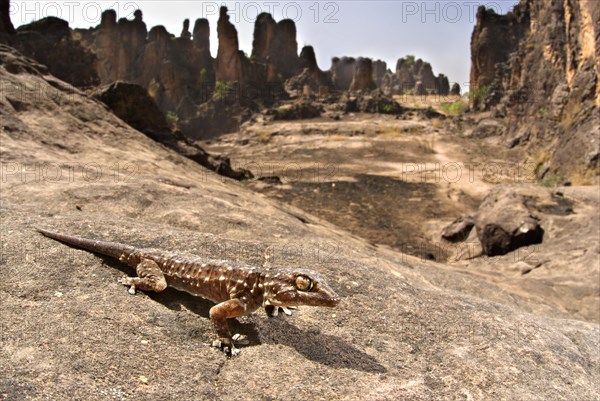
{"x": 304, "y": 283}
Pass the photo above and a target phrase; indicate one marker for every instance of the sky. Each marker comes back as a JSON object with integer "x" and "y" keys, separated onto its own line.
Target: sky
{"x": 436, "y": 31}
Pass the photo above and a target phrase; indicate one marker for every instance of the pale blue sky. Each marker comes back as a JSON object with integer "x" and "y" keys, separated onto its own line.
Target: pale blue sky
{"x": 437, "y": 31}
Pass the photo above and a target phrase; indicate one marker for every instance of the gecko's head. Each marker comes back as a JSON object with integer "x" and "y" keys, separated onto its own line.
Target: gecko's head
{"x": 296, "y": 287}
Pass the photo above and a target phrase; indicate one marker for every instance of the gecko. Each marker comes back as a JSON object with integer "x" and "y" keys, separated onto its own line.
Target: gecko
{"x": 236, "y": 289}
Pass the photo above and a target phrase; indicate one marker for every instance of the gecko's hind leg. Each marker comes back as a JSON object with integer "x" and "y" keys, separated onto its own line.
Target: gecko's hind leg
{"x": 150, "y": 278}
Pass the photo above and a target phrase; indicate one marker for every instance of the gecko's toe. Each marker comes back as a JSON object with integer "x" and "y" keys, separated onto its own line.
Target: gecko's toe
{"x": 288, "y": 311}
{"x": 240, "y": 339}
{"x": 126, "y": 281}
{"x": 227, "y": 346}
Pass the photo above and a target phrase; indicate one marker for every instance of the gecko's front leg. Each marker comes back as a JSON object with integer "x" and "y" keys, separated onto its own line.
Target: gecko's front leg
{"x": 219, "y": 315}
{"x": 273, "y": 311}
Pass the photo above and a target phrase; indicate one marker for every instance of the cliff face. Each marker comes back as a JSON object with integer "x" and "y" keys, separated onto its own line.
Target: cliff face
{"x": 547, "y": 87}
{"x": 494, "y": 38}
{"x": 6, "y": 27}
{"x": 229, "y": 65}
{"x": 274, "y": 49}
{"x": 50, "y": 42}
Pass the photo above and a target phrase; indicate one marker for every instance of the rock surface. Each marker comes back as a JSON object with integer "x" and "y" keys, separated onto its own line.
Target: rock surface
{"x": 362, "y": 78}
{"x": 132, "y": 103}
{"x": 230, "y": 62}
{"x": 405, "y": 329}
{"x": 538, "y": 67}
{"x": 504, "y": 222}
{"x": 50, "y": 42}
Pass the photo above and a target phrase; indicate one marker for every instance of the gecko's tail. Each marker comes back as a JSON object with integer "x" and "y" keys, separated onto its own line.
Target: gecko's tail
{"x": 113, "y": 249}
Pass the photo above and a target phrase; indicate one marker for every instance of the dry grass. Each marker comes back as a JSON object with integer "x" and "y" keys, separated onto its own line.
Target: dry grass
{"x": 427, "y": 146}
{"x": 335, "y": 138}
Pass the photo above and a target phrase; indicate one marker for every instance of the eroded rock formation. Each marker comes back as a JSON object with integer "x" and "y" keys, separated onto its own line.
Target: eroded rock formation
{"x": 50, "y": 42}
{"x": 362, "y": 79}
{"x": 415, "y": 76}
{"x": 274, "y": 49}
{"x": 379, "y": 70}
{"x": 342, "y": 72}
{"x": 230, "y": 62}
{"x": 540, "y": 65}
{"x": 6, "y": 27}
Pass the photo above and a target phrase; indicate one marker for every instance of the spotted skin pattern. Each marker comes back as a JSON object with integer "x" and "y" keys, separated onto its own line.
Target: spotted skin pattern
{"x": 237, "y": 289}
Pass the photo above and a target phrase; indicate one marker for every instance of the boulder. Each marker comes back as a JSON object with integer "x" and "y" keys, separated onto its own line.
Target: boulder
{"x": 459, "y": 229}
{"x": 132, "y": 104}
{"x": 505, "y": 223}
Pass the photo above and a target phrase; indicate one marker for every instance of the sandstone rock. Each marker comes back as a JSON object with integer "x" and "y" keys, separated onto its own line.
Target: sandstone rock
{"x": 545, "y": 79}
{"x": 6, "y": 27}
{"x": 404, "y": 76}
{"x": 425, "y": 75}
{"x": 455, "y": 90}
{"x": 49, "y": 41}
{"x": 459, "y": 229}
{"x": 420, "y": 89}
{"x": 230, "y": 62}
{"x": 442, "y": 85}
{"x": 379, "y": 70}
{"x": 504, "y": 223}
{"x": 310, "y": 74}
{"x": 342, "y": 72}
{"x": 274, "y": 49}
{"x": 297, "y": 111}
{"x": 132, "y": 103}
{"x": 362, "y": 79}
{"x": 185, "y": 32}
{"x": 493, "y": 39}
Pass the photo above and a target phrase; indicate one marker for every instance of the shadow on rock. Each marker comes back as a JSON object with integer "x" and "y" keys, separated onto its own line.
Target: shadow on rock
{"x": 318, "y": 347}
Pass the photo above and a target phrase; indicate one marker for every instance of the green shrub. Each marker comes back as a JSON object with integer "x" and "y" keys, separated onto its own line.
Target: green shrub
{"x": 221, "y": 90}
{"x": 172, "y": 119}
{"x": 477, "y": 96}
{"x": 388, "y": 108}
{"x": 454, "y": 109}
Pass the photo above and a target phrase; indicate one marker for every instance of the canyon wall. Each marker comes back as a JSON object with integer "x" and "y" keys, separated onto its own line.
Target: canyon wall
{"x": 180, "y": 73}
{"x": 537, "y": 67}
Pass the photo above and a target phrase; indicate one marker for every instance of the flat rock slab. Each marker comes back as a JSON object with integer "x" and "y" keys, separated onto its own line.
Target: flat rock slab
{"x": 70, "y": 331}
